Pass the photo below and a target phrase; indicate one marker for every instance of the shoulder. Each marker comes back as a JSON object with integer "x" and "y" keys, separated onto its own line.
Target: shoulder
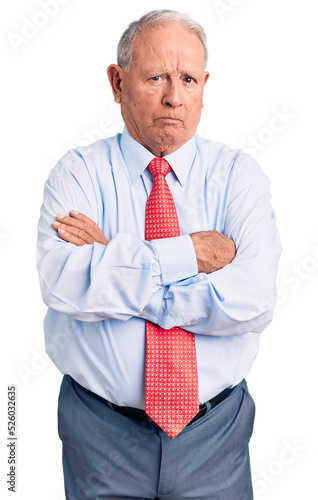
{"x": 85, "y": 160}
{"x": 220, "y": 157}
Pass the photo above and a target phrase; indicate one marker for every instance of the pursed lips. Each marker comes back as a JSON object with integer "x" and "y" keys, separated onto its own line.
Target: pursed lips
{"x": 168, "y": 118}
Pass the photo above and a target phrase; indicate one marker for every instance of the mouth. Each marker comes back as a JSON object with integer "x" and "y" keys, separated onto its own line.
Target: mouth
{"x": 168, "y": 119}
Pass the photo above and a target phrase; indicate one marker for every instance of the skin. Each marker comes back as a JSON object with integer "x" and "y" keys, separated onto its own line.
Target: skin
{"x": 161, "y": 94}
{"x": 161, "y": 98}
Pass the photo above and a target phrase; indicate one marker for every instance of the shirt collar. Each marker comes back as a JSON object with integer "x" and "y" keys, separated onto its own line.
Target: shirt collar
{"x": 137, "y": 157}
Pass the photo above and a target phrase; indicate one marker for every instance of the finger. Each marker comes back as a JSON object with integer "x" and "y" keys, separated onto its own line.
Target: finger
{"x": 70, "y": 238}
{"x": 83, "y": 218}
{"x": 90, "y": 227}
{"x": 69, "y": 221}
{"x": 78, "y": 233}
{"x": 84, "y": 223}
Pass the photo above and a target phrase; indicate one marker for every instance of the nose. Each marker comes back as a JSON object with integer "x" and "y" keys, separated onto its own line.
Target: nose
{"x": 173, "y": 94}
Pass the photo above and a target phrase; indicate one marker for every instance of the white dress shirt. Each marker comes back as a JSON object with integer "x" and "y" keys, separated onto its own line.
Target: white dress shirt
{"x": 99, "y": 296}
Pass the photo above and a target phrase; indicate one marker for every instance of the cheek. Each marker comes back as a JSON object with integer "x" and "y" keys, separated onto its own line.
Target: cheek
{"x": 195, "y": 107}
{"x": 136, "y": 112}
{"x": 140, "y": 101}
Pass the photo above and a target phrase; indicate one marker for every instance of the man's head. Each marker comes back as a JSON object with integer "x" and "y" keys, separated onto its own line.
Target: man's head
{"x": 159, "y": 79}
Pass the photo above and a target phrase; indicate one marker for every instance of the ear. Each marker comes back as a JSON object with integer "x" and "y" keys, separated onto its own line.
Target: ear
{"x": 206, "y": 77}
{"x": 115, "y": 76}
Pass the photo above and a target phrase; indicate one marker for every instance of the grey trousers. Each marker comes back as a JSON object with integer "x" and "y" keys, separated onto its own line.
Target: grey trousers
{"x": 109, "y": 456}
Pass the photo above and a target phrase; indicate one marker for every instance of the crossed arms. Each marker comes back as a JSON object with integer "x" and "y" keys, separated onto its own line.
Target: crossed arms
{"x": 208, "y": 290}
{"x": 213, "y": 250}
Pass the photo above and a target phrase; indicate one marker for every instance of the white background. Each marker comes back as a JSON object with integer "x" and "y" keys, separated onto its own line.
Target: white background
{"x": 55, "y": 95}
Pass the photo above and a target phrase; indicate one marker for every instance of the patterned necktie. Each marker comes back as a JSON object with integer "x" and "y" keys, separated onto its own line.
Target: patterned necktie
{"x": 171, "y": 385}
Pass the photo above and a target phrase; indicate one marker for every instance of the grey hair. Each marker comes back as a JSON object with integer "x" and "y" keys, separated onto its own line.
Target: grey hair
{"x": 154, "y": 19}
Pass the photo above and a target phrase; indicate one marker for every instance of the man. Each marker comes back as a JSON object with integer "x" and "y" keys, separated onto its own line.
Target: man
{"x": 199, "y": 290}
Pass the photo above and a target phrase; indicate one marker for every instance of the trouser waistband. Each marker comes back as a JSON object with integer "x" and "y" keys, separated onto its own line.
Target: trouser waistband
{"x": 141, "y": 415}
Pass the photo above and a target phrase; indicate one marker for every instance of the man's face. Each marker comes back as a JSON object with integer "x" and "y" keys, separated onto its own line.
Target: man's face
{"x": 161, "y": 94}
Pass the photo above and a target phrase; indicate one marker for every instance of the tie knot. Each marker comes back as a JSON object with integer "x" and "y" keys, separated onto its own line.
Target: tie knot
{"x": 159, "y": 166}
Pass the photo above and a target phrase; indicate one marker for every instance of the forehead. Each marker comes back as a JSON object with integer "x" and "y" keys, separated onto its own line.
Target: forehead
{"x": 168, "y": 44}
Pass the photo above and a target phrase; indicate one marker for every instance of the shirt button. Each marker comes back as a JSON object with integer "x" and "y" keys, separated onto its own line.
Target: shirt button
{"x": 143, "y": 313}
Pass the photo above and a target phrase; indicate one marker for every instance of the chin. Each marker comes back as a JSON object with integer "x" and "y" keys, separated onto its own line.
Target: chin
{"x": 170, "y": 137}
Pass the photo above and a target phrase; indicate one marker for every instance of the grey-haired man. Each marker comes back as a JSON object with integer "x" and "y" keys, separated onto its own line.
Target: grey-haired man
{"x": 102, "y": 281}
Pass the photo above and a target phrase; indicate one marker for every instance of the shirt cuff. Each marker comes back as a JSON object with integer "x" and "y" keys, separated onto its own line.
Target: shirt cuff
{"x": 176, "y": 257}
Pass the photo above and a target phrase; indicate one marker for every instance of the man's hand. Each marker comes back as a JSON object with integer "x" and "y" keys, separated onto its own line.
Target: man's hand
{"x": 78, "y": 229}
{"x": 213, "y": 250}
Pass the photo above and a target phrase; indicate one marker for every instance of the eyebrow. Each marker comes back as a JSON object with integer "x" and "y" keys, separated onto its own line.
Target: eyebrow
{"x": 155, "y": 71}
{"x": 165, "y": 71}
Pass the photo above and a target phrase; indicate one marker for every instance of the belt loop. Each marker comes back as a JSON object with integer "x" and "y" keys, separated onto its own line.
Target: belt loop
{"x": 208, "y": 406}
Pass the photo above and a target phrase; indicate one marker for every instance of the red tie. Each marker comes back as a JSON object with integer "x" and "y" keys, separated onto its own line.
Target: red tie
{"x": 171, "y": 390}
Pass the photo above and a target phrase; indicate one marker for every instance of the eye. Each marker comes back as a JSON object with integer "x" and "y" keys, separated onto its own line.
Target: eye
{"x": 189, "y": 79}
{"x": 155, "y": 78}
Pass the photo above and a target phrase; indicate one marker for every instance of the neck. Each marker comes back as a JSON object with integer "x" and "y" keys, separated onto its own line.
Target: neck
{"x": 161, "y": 150}
{"x": 158, "y": 149}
